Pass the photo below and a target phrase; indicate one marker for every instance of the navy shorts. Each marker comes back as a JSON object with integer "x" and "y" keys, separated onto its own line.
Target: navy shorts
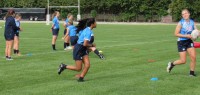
{"x": 65, "y": 32}
{"x": 55, "y": 32}
{"x": 79, "y": 51}
{"x": 17, "y": 34}
{"x": 73, "y": 40}
{"x": 9, "y": 36}
{"x": 184, "y": 45}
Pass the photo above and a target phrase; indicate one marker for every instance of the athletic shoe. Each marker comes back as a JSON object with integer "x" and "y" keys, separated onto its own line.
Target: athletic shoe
{"x": 192, "y": 75}
{"x": 101, "y": 57}
{"x": 9, "y": 59}
{"x": 80, "y": 80}
{"x": 68, "y": 48}
{"x": 170, "y": 67}
{"x": 61, "y": 68}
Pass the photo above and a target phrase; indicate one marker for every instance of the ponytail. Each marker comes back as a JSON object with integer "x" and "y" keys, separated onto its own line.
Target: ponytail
{"x": 81, "y": 25}
{"x": 54, "y": 14}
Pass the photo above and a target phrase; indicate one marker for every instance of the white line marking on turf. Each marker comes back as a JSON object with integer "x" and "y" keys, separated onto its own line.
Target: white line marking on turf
{"x": 119, "y": 45}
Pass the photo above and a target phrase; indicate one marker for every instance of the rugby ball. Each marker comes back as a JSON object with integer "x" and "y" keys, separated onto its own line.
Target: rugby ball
{"x": 195, "y": 34}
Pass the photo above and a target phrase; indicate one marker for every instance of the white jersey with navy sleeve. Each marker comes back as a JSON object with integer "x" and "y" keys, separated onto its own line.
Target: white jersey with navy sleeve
{"x": 186, "y": 28}
{"x": 85, "y": 35}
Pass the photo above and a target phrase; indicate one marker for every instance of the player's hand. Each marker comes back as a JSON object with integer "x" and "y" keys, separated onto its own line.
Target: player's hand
{"x": 63, "y": 38}
{"x": 20, "y": 29}
{"x": 189, "y": 36}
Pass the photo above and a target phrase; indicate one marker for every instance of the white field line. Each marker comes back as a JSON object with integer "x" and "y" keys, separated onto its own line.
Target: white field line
{"x": 58, "y": 39}
{"x": 119, "y": 45}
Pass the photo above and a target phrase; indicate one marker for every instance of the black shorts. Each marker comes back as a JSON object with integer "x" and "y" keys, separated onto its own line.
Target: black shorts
{"x": 55, "y": 32}
{"x": 73, "y": 40}
{"x": 17, "y": 34}
{"x": 184, "y": 45}
{"x": 65, "y": 32}
{"x": 79, "y": 51}
{"x": 9, "y": 36}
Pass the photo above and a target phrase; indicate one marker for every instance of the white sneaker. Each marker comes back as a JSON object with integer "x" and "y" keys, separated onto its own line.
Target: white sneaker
{"x": 68, "y": 48}
{"x": 9, "y": 59}
{"x": 170, "y": 67}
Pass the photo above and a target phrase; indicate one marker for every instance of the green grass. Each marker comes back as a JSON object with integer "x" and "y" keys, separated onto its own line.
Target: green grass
{"x": 126, "y": 70}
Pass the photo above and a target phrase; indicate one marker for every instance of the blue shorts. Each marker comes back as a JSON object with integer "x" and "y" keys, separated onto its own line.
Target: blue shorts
{"x": 184, "y": 45}
{"x": 79, "y": 51}
{"x": 73, "y": 40}
{"x": 55, "y": 32}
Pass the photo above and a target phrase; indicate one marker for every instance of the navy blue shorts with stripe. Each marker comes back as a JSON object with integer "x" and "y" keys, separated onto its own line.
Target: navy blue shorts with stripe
{"x": 79, "y": 51}
{"x": 184, "y": 45}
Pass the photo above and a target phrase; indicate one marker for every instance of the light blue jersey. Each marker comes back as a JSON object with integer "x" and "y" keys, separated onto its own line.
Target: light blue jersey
{"x": 17, "y": 22}
{"x": 72, "y": 30}
{"x": 186, "y": 28}
{"x": 79, "y": 34}
{"x": 66, "y": 21}
{"x": 85, "y": 35}
{"x": 56, "y": 23}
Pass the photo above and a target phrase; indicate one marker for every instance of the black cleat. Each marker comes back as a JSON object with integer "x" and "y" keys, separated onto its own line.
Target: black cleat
{"x": 170, "y": 67}
{"x": 61, "y": 68}
{"x": 192, "y": 75}
{"x": 81, "y": 79}
{"x": 101, "y": 57}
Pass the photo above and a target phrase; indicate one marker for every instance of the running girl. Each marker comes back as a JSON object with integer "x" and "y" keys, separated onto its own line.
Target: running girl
{"x": 185, "y": 44}
{"x": 67, "y": 39}
{"x": 55, "y": 28}
{"x": 16, "y": 38}
{"x": 9, "y": 33}
{"x": 80, "y": 51}
{"x": 71, "y": 32}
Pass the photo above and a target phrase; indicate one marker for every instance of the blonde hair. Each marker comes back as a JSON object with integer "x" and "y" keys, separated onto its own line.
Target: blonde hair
{"x": 186, "y": 10}
{"x": 70, "y": 22}
{"x": 69, "y": 14}
{"x": 18, "y": 15}
{"x": 54, "y": 14}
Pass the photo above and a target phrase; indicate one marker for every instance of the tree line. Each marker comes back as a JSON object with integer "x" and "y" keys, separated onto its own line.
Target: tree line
{"x": 127, "y": 10}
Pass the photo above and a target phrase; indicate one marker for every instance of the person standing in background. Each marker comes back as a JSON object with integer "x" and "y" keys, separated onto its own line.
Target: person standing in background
{"x": 55, "y": 28}
{"x": 9, "y": 33}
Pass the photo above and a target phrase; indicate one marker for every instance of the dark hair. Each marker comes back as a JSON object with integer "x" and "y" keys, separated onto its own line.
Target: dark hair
{"x": 82, "y": 24}
{"x": 10, "y": 13}
{"x": 90, "y": 21}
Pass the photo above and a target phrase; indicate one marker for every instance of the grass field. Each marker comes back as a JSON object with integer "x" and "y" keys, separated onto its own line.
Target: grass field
{"x": 134, "y": 54}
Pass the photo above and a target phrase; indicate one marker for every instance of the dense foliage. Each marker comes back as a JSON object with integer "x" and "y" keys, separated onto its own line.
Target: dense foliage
{"x": 127, "y": 10}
